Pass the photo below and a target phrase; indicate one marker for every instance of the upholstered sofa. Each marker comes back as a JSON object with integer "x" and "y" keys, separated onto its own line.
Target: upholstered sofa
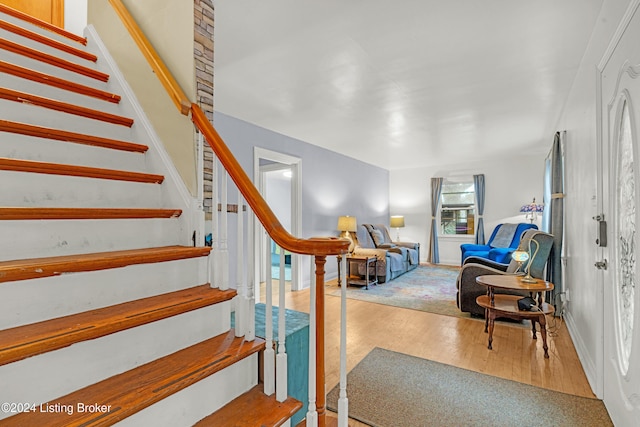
{"x": 469, "y": 289}
{"x": 394, "y": 258}
{"x": 504, "y": 240}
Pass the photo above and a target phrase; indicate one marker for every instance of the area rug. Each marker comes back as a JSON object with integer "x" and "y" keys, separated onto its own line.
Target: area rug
{"x": 389, "y": 389}
{"x": 426, "y": 288}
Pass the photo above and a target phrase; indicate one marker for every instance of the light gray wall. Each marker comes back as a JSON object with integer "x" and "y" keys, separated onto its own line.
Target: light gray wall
{"x": 584, "y": 315}
{"x": 332, "y": 184}
{"x": 510, "y": 183}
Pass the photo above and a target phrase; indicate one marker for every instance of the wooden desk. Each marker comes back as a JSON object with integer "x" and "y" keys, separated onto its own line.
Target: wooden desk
{"x": 499, "y": 305}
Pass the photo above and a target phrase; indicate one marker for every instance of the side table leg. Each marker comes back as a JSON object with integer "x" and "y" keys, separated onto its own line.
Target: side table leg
{"x": 486, "y": 320}
{"x": 543, "y": 332}
{"x": 492, "y": 318}
{"x": 533, "y": 328}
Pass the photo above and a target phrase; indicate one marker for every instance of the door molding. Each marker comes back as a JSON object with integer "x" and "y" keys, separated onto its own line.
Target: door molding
{"x": 295, "y": 163}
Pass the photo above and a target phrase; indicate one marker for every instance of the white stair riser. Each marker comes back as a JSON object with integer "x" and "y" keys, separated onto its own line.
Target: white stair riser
{"x": 47, "y": 376}
{"x": 51, "y": 92}
{"x": 40, "y": 116}
{"x": 35, "y": 239}
{"x": 29, "y": 301}
{"x": 36, "y": 29}
{"x": 25, "y": 41}
{"x": 190, "y": 405}
{"x": 43, "y": 67}
{"x": 34, "y": 189}
{"x": 44, "y": 150}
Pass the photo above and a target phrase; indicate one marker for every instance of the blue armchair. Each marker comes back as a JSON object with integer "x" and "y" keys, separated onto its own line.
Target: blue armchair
{"x": 503, "y": 241}
{"x": 469, "y": 289}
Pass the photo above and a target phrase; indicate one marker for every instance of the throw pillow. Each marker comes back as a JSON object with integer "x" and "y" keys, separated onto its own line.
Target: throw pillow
{"x": 377, "y": 236}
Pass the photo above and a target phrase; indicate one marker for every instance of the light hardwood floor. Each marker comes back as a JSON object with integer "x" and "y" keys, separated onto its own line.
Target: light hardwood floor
{"x": 455, "y": 341}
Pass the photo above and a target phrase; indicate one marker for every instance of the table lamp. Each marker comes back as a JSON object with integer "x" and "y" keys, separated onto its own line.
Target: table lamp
{"x": 527, "y": 278}
{"x": 531, "y": 210}
{"x": 520, "y": 257}
{"x": 397, "y": 222}
{"x": 347, "y": 224}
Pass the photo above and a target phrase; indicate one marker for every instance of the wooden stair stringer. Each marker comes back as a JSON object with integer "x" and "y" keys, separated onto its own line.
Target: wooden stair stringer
{"x": 54, "y": 266}
{"x": 132, "y": 391}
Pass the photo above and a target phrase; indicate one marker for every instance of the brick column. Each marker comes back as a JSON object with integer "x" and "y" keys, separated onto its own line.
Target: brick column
{"x": 203, "y": 55}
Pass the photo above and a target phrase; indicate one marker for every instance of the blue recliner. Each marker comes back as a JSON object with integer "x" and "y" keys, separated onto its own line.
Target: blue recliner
{"x": 503, "y": 241}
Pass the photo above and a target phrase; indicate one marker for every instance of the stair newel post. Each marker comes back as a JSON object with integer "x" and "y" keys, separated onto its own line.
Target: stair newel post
{"x": 224, "y": 231}
{"x": 269, "y": 353}
{"x": 312, "y": 414}
{"x": 250, "y": 301}
{"x": 241, "y": 313}
{"x": 343, "y": 401}
{"x": 320, "y": 261}
{"x": 281, "y": 358}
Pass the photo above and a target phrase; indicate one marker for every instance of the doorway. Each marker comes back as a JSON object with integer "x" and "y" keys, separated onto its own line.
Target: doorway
{"x": 278, "y": 178}
{"x": 619, "y": 184}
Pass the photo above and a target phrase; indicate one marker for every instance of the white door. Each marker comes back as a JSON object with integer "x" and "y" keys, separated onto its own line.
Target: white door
{"x": 619, "y": 74}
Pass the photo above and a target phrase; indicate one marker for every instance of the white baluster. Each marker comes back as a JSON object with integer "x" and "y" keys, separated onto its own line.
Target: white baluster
{"x": 343, "y": 401}
{"x": 250, "y": 302}
{"x": 241, "y": 313}
{"x": 214, "y": 259}
{"x": 281, "y": 358}
{"x": 198, "y": 203}
{"x": 312, "y": 414}
{"x": 269, "y": 354}
{"x": 224, "y": 250}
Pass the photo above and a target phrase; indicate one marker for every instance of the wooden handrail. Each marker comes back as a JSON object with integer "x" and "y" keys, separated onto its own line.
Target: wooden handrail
{"x": 314, "y": 246}
{"x": 166, "y": 78}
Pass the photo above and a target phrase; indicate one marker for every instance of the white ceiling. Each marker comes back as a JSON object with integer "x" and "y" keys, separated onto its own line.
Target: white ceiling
{"x": 403, "y": 83}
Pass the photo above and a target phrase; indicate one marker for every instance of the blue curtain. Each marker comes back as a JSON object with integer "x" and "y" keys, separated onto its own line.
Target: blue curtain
{"x": 546, "y": 196}
{"x": 554, "y": 267}
{"x": 436, "y": 190}
{"x": 478, "y": 182}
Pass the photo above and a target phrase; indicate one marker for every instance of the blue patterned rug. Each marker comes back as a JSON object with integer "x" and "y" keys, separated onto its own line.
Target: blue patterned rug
{"x": 427, "y": 288}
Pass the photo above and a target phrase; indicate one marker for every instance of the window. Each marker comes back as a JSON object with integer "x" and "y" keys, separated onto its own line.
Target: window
{"x": 457, "y": 207}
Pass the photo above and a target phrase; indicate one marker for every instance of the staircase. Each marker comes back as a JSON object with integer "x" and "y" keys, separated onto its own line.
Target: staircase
{"x": 106, "y": 313}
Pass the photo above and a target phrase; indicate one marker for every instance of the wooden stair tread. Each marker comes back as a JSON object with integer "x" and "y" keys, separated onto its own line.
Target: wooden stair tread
{"x": 42, "y": 213}
{"x": 66, "y": 136}
{"x": 53, "y": 60}
{"x": 42, "y": 24}
{"x": 27, "y": 98}
{"x": 48, "y": 41}
{"x": 52, "y": 266}
{"x": 253, "y": 408}
{"x": 37, "y": 76}
{"x": 37, "y": 338}
{"x": 32, "y": 166}
{"x": 129, "y": 392}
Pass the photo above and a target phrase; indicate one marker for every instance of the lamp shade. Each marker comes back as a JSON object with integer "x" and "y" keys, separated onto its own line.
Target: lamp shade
{"x": 347, "y": 223}
{"x": 397, "y": 221}
{"x": 532, "y": 207}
